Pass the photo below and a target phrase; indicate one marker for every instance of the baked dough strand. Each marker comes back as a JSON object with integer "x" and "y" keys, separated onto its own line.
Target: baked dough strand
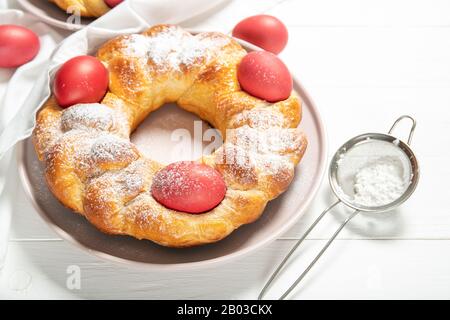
{"x": 85, "y": 8}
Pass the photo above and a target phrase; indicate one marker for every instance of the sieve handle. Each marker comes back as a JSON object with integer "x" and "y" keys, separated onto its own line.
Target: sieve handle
{"x": 413, "y": 126}
{"x": 325, "y": 247}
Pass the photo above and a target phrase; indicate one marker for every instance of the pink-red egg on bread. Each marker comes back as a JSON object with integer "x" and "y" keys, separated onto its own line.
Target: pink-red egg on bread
{"x": 188, "y": 186}
{"x": 83, "y": 79}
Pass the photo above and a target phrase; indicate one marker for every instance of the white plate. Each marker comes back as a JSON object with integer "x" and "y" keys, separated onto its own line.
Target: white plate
{"x": 53, "y": 15}
{"x": 278, "y": 217}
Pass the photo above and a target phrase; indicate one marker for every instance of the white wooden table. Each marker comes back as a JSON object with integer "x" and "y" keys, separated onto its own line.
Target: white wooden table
{"x": 364, "y": 63}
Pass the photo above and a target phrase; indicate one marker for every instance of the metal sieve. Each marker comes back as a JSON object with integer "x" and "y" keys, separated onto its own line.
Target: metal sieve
{"x": 357, "y": 153}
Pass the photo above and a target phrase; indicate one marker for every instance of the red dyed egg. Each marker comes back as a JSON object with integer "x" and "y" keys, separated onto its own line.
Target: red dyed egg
{"x": 188, "y": 186}
{"x": 18, "y": 45}
{"x": 263, "y": 75}
{"x": 264, "y": 31}
{"x": 82, "y": 79}
{"x": 113, "y": 3}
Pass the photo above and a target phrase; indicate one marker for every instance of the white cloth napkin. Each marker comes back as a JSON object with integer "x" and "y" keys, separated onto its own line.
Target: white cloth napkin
{"x": 29, "y": 87}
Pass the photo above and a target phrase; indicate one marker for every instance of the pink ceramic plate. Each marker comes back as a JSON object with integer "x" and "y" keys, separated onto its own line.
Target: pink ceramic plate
{"x": 278, "y": 217}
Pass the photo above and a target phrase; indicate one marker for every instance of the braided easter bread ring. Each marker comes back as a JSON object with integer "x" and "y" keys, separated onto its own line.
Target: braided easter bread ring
{"x": 86, "y": 8}
{"x": 94, "y": 169}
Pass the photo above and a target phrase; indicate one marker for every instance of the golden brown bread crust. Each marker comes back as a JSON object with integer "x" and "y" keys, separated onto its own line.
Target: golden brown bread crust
{"x": 93, "y": 168}
{"x": 86, "y": 8}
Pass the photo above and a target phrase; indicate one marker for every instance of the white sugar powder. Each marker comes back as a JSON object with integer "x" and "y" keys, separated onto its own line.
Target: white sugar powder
{"x": 379, "y": 182}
